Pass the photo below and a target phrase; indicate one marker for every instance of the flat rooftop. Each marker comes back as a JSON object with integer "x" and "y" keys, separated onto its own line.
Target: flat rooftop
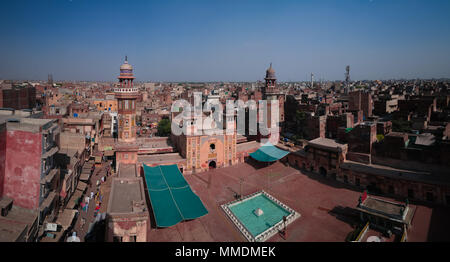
{"x": 125, "y": 192}
{"x": 14, "y": 224}
{"x": 384, "y": 207}
{"x": 15, "y": 122}
{"x": 153, "y": 142}
{"x": 160, "y": 158}
{"x": 326, "y": 143}
{"x": 127, "y": 171}
{"x": 427, "y": 177}
{"x": 253, "y": 145}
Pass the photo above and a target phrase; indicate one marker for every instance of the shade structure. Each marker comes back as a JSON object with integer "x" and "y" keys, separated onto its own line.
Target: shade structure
{"x": 268, "y": 153}
{"x": 171, "y": 196}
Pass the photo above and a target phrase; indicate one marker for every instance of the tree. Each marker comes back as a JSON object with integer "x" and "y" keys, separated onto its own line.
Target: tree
{"x": 401, "y": 126}
{"x": 164, "y": 127}
{"x": 300, "y": 122}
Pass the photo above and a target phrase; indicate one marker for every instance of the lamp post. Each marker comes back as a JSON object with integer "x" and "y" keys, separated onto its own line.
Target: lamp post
{"x": 285, "y": 228}
{"x": 240, "y": 187}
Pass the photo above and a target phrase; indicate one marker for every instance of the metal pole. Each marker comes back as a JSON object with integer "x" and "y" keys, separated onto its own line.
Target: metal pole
{"x": 240, "y": 192}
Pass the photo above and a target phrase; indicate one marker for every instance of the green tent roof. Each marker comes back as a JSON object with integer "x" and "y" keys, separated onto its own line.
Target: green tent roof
{"x": 171, "y": 196}
{"x": 268, "y": 153}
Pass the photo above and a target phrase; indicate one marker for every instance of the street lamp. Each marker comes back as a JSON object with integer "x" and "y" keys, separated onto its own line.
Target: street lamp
{"x": 285, "y": 227}
{"x": 240, "y": 184}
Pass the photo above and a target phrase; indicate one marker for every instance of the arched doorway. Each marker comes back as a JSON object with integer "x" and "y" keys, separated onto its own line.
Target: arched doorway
{"x": 323, "y": 171}
{"x": 212, "y": 165}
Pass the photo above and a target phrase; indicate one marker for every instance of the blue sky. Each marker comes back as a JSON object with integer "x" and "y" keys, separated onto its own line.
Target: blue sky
{"x": 225, "y": 40}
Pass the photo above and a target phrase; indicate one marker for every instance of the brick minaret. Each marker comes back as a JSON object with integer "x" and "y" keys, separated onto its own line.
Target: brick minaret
{"x": 126, "y": 95}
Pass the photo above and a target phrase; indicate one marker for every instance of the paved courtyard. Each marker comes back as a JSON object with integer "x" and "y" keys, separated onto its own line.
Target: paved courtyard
{"x": 326, "y": 207}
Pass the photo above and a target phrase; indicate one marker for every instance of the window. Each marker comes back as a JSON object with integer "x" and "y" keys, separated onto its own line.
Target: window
{"x": 410, "y": 193}
{"x": 357, "y": 182}
{"x": 126, "y": 104}
{"x": 345, "y": 179}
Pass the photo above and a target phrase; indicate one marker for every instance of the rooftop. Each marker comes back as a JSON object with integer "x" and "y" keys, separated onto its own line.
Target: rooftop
{"x": 15, "y": 223}
{"x": 328, "y": 144}
{"x": 127, "y": 171}
{"x": 125, "y": 193}
{"x": 387, "y": 171}
{"x": 160, "y": 158}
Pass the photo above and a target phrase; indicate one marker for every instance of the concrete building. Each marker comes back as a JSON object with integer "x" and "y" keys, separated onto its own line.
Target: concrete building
{"x": 28, "y": 173}
{"x": 128, "y": 218}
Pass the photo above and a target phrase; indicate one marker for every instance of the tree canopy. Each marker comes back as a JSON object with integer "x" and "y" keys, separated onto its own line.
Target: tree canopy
{"x": 164, "y": 127}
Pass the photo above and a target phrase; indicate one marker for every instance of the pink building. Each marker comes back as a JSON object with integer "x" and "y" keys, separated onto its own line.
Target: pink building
{"x": 28, "y": 174}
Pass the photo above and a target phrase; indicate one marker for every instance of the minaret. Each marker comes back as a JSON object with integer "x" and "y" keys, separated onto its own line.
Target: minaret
{"x": 126, "y": 95}
{"x": 272, "y": 93}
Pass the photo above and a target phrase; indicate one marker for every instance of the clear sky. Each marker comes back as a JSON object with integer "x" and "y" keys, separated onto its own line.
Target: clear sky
{"x": 224, "y": 40}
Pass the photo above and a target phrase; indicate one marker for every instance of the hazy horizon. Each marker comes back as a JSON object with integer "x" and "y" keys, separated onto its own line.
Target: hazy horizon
{"x": 225, "y": 41}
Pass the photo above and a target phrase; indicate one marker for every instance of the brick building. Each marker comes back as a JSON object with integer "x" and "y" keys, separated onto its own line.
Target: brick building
{"x": 18, "y": 97}
{"x": 28, "y": 174}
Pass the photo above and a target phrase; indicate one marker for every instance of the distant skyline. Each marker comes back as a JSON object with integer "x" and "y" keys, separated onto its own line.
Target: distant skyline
{"x": 225, "y": 40}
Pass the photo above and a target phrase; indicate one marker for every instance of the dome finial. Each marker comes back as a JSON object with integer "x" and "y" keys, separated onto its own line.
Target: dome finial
{"x": 126, "y": 58}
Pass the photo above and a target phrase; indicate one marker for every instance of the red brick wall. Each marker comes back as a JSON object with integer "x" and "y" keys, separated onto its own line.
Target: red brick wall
{"x": 2, "y": 157}
{"x": 23, "y": 168}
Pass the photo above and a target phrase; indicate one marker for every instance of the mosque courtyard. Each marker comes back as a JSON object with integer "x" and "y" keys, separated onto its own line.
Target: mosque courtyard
{"x": 327, "y": 208}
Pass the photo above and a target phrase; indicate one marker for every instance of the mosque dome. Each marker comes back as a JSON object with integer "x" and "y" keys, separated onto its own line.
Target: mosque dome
{"x": 125, "y": 65}
{"x": 270, "y": 73}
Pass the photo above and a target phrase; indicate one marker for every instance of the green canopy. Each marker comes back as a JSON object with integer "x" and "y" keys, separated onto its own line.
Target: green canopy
{"x": 171, "y": 196}
{"x": 268, "y": 153}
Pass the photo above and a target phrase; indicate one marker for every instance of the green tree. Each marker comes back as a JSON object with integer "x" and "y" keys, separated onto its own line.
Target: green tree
{"x": 164, "y": 127}
{"x": 300, "y": 122}
{"x": 401, "y": 126}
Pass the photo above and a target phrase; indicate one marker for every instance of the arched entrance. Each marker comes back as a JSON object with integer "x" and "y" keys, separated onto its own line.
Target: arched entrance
{"x": 323, "y": 171}
{"x": 212, "y": 165}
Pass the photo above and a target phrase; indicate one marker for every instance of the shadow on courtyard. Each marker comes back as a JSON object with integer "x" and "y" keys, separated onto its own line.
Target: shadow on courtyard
{"x": 439, "y": 227}
{"x": 346, "y": 214}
